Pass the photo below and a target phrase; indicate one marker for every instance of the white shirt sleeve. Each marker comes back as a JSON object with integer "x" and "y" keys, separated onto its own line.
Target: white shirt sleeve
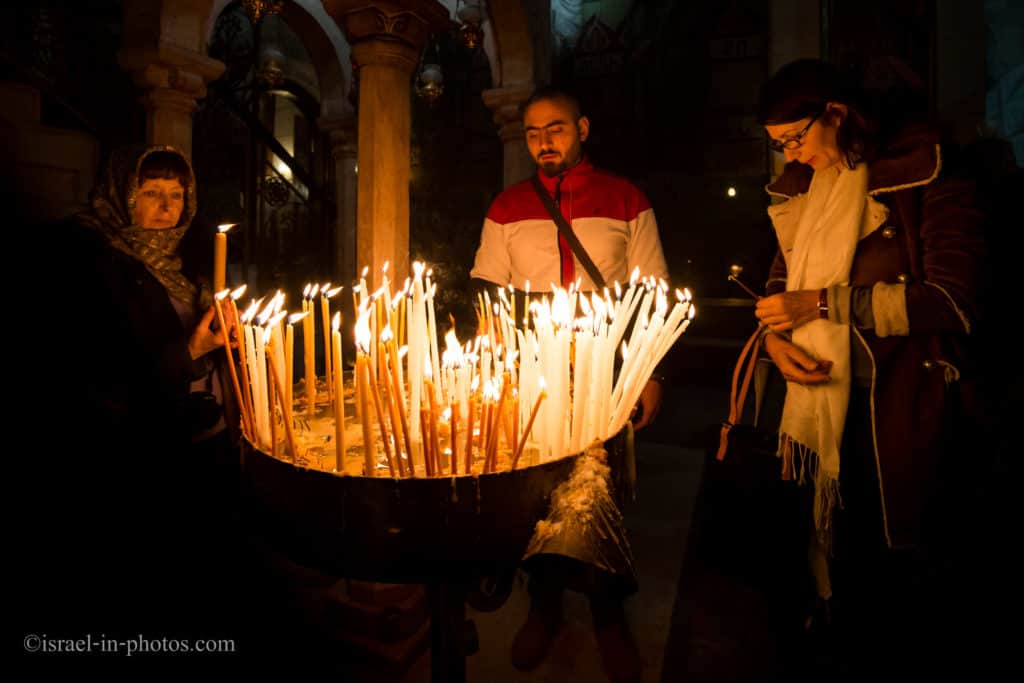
{"x": 492, "y": 261}
{"x": 644, "y": 248}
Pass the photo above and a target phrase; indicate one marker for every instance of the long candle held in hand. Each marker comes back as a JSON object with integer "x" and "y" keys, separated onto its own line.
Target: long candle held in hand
{"x": 220, "y": 255}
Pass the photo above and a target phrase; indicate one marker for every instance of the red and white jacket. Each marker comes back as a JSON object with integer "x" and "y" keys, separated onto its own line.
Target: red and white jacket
{"x": 610, "y": 215}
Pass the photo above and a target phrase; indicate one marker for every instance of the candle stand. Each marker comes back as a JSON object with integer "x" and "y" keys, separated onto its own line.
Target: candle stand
{"x": 455, "y": 535}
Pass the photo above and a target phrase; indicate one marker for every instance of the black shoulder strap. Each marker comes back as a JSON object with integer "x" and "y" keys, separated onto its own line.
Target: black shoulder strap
{"x": 568, "y": 234}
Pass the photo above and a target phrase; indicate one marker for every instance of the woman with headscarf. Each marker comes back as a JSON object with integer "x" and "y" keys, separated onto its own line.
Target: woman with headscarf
{"x": 152, "y": 467}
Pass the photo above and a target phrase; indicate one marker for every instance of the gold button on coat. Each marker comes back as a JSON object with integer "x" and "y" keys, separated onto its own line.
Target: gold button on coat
{"x": 889, "y": 232}
{"x": 903, "y": 277}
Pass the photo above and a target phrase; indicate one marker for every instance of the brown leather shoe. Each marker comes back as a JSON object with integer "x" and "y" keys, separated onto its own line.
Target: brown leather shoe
{"x": 533, "y": 641}
{"x": 619, "y": 653}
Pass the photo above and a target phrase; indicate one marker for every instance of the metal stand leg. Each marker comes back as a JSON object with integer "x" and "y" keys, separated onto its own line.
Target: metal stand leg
{"x": 452, "y": 637}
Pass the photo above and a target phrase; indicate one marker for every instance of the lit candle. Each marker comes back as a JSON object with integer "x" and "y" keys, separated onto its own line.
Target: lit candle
{"x": 339, "y": 397}
{"x": 396, "y": 391}
{"x": 243, "y": 355}
{"x": 289, "y": 430}
{"x": 220, "y": 255}
{"x": 362, "y": 392}
{"x": 494, "y": 430}
{"x": 230, "y": 356}
{"x": 453, "y": 435}
{"x": 529, "y": 424}
{"x": 289, "y": 357}
{"x": 388, "y": 396}
{"x": 435, "y": 447}
{"x": 469, "y": 433}
{"x": 309, "y": 345}
{"x": 325, "y": 320}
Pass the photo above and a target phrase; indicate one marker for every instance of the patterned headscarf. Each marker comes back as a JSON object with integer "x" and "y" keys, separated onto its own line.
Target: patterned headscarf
{"x": 112, "y": 202}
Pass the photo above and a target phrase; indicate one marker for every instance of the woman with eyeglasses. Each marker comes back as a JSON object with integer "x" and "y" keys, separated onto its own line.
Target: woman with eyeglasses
{"x": 870, "y": 298}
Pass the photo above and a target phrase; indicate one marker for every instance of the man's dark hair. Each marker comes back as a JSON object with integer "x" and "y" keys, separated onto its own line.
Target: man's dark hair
{"x": 167, "y": 165}
{"x": 552, "y": 93}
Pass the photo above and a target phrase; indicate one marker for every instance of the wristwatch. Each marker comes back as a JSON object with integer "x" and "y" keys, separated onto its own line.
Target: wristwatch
{"x": 823, "y": 303}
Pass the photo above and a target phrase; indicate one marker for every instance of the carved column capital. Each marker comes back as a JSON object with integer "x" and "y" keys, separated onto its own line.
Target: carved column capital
{"x": 504, "y": 103}
{"x": 170, "y": 67}
{"x": 342, "y": 135}
{"x": 388, "y": 32}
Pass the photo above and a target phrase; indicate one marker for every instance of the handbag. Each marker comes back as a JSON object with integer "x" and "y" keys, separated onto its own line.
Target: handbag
{"x": 566, "y": 231}
{"x": 751, "y": 522}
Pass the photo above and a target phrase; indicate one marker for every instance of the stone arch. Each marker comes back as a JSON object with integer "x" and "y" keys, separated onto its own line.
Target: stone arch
{"x": 327, "y": 47}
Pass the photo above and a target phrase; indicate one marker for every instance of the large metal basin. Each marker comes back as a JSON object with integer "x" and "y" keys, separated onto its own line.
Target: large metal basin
{"x": 397, "y": 530}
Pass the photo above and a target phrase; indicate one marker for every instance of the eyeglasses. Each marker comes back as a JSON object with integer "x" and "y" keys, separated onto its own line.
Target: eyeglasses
{"x": 794, "y": 142}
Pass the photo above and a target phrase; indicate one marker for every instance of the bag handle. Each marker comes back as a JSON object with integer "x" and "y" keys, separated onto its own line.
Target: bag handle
{"x": 568, "y": 234}
{"x": 748, "y": 356}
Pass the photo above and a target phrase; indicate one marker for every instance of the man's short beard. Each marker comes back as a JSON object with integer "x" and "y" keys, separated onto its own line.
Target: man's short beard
{"x": 552, "y": 168}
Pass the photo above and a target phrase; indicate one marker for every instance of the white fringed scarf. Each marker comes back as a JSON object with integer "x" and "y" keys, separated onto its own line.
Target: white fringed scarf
{"x": 813, "y": 416}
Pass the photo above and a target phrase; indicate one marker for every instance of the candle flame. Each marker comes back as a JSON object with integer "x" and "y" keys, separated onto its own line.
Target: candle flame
{"x": 334, "y": 291}
{"x": 221, "y": 295}
{"x": 296, "y": 317}
{"x": 475, "y": 383}
{"x": 313, "y": 292}
{"x": 541, "y": 384}
{"x": 250, "y": 312}
{"x": 336, "y": 323}
{"x": 276, "y": 318}
{"x": 384, "y": 268}
{"x": 386, "y": 335}
{"x": 417, "y": 269}
{"x": 224, "y": 227}
{"x": 366, "y": 269}
{"x": 237, "y": 294}
{"x": 402, "y": 352}
{"x": 635, "y": 275}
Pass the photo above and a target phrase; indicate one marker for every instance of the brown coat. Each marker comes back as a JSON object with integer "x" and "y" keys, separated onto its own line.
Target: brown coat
{"x": 932, "y": 243}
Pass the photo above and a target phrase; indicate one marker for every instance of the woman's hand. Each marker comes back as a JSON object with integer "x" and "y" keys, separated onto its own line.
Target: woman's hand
{"x": 794, "y": 364}
{"x": 203, "y": 339}
{"x": 788, "y": 310}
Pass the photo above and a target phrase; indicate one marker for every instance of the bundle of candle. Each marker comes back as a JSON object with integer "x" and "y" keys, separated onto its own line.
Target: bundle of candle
{"x": 513, "y": 396}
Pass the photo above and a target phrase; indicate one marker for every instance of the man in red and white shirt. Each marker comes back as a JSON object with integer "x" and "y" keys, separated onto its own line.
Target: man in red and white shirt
{"x": 612, "y": 218}
{"x": 521, "y": 244}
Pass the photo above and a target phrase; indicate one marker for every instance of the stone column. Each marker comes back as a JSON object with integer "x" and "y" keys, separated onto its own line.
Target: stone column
{"x": 341, "y": 132}
{"x": 163, "y": 50}
{"x": 386, "y": 38}
{"x": 505, "y": 102}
